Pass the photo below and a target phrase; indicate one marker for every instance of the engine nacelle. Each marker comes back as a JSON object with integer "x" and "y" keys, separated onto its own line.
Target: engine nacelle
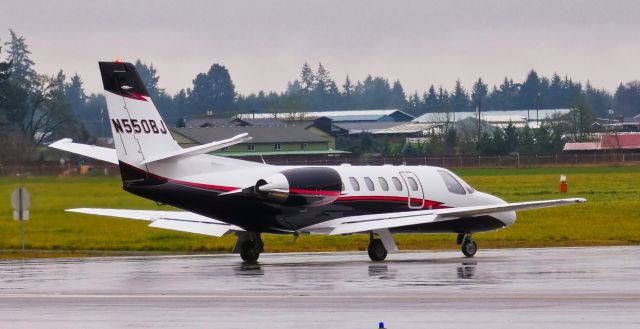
{"x": 309, "y": 186}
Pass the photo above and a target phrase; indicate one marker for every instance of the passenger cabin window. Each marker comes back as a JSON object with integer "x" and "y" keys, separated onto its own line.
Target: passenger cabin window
{"x": 397, "y": 183}
{"x": 369, "y": 183}
{"x": 354, "y": 184}
{"x": 383, "y": 183}
{"x": 413, "y": 183}
{"x": 342, "y": 186}
{"x": 452, "y": 184}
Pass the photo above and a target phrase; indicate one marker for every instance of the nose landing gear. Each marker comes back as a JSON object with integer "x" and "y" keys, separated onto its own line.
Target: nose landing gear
{"x": 469, "y": 246}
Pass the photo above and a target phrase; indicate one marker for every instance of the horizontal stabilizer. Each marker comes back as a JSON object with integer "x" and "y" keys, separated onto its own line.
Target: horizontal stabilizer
{"x": 183, "y": 221}
{"x": 191, "y": 227}
{"x": 200, "y": 149}
{"x": 91, "y": 151}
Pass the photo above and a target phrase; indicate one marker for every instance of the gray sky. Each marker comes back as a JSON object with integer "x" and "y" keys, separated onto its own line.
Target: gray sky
{"x": 264, "y": 43}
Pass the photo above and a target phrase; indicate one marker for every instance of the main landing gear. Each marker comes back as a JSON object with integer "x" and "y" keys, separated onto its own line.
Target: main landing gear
{"x": 377, "y": 251}
{"x": 379, "y": 247}
{"x": 249, "y": 245}
{"x": 469, "y": 246}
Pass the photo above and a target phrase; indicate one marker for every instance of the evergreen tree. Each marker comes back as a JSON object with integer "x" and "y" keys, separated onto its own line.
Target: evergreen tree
{"x": 150, "y": 78}
{"x": 348, "y": 91}
{"x": 213, "y": 91}
{"x": 75, "y": 96}
{"x": 530, "y": 91}
{"x": 479, "y": 92}
{"x": 307, "y": 78}
{"x": 459, "y": 99}
{"x": 510, "y": 138}
{"x": 22, "y": 72}
{"x": 526, "y": 141}
{"x": 398, "y": 98}
{"x": 626, "y": 100}
{"x": 582, "y": 116}
{"x": 599, "y": 100}
{"x": 293, "y": 88}
{"x": 431, "y": 101}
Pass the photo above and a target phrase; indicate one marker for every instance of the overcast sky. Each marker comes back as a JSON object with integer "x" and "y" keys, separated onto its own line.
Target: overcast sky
{"x": 264, "y": 43}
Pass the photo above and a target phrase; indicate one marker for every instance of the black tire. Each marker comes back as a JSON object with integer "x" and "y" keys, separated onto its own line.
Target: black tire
{"x": 249, "y": 252}
{"x": 377, "y": 251}
{"x": 469, "y": 247}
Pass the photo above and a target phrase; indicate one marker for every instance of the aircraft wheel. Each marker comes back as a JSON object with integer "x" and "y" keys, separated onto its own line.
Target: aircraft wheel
{"x": 377, "y": 251}
{"x": 249, "y": 251}
{"x": 469, "y": 247}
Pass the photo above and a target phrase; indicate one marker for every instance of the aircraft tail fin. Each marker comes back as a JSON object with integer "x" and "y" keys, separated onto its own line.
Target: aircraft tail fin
{"x": 139, "y": 132}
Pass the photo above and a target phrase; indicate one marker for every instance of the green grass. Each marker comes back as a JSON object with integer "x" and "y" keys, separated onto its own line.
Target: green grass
{"x": 610, "y": 217}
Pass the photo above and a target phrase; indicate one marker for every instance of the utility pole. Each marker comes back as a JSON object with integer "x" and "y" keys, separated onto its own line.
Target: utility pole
{"x": 538, "y": 109}
{"x": 478, "y": 111}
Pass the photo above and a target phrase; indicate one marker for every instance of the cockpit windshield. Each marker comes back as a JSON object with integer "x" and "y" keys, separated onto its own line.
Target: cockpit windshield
{"x": 454, "y": 183}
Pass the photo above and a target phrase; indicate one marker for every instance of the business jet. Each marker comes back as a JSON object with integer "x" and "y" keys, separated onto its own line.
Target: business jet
{"x": 220, "y": 195}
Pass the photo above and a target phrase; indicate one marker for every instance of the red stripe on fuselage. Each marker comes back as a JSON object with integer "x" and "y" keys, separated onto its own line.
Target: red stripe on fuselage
{"x": 428, "y": 204}
{"x": 184, "y": 183}
{"x": 314, "y": 192}
{"x": 204, "y": 186}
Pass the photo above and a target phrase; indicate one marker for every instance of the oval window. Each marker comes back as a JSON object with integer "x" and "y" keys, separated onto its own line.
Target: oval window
{"x": 354, "y": 184}
{"x": 383, "y": 183}
{"x": 369, "y": 183}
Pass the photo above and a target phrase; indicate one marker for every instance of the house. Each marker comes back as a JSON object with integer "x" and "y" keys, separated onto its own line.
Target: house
{"x": 266, "y": 140}
{"x": 607, "y": 142}
{"x": 620, "y": 124}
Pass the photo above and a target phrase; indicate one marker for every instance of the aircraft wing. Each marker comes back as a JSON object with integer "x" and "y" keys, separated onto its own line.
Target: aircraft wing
{"x": 91, "y": 151}
{"x": 364, "y": 223}
{"x": 172, "y": 220}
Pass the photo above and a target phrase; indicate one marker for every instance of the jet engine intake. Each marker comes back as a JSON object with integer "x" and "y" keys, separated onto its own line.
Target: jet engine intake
{"x": 308, "y": 186}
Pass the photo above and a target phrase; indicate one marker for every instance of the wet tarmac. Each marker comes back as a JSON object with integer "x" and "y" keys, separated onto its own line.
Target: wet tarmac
{"x": 514, "y": 288}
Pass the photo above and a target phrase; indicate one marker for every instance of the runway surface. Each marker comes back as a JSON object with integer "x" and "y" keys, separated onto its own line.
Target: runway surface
{"x": 514, "y": 288}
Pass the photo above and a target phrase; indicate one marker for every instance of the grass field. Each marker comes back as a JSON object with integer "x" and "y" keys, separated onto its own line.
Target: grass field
{"x": 610, "y": 217}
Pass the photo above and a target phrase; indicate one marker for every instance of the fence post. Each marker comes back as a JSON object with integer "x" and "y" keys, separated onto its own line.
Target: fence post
{"x": 479, "y": 161}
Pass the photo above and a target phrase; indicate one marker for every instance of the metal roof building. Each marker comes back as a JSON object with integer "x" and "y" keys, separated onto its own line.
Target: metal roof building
{"x": 336, "y": 116}
{"x": 266, "y": 140}
{"x": 496, "y": 118}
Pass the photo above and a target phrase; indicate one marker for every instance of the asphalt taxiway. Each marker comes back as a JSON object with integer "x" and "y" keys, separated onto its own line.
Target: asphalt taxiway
{"x": 514, "y": 288}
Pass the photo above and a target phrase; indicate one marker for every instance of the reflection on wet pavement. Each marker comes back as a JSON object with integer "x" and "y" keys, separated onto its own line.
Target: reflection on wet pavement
{"x": 566, "y": 287}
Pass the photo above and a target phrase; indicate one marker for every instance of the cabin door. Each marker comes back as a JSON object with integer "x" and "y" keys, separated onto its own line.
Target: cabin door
{"x": 414, "y": 189}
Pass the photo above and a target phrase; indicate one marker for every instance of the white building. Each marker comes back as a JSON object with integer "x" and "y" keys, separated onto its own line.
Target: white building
{"x": 496, "y": 118}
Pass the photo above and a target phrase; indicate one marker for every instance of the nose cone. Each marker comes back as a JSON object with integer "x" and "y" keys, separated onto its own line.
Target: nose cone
{"x": 507, "y": 217}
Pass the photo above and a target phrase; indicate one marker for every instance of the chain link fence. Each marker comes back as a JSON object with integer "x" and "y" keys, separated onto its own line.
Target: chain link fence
{"x": 515, "y": 161}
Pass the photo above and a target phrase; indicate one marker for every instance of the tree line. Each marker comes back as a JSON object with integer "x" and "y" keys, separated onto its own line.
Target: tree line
{"x": 35, "y": 107}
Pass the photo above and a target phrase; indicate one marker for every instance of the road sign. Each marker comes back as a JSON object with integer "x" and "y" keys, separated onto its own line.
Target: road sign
{"x": 20, "y": 200}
